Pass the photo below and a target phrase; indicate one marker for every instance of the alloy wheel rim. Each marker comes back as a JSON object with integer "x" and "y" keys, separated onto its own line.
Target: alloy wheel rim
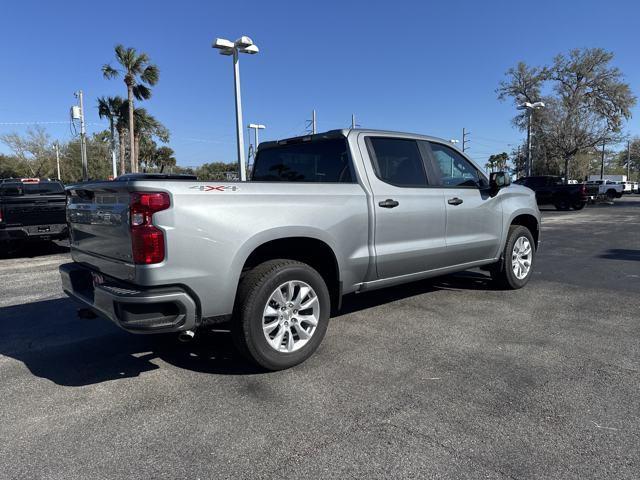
{"x": 291, "y": 316}
{"x": 521, "y": 258}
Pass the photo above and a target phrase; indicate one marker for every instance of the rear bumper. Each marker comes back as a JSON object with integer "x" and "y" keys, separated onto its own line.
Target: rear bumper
{"x": 137, "y": 310}
{"x": 34, "y": 232}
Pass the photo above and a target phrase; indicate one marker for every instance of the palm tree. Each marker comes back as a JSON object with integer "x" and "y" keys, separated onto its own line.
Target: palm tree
{"x": 112, "y": 108}
{"x": 147, "y": 126}
{"x": 136, "y": 71}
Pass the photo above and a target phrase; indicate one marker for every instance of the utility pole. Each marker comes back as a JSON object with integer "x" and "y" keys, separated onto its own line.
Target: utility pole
{"x": 83, "y": 138}
{"x": 58, "y": 160}
{"x": 602, "y": 161}
{"x": 313, "y": 123}
{"x": 465, "y": 134}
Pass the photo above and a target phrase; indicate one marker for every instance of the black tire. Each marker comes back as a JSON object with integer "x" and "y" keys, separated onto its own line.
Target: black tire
{"x": 611, "y": 194}
{"x": 579, "y": 205}
{"x": 502, "y": 272}
{"x": 561, "y": 205}
{"x": 254, "y": 291}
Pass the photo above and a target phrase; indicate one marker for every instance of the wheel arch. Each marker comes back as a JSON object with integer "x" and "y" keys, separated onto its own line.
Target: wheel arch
{"x": 530, "y": 222}
{"x": 305, "y": 247}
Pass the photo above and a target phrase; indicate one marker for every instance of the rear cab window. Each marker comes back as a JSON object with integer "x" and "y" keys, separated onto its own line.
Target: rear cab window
{"x": 321, "y": 160}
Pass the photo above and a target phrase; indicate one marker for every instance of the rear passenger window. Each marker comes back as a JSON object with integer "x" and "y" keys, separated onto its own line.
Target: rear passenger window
{"x": 323, "y": 160}
{"x": 397, "y": 161}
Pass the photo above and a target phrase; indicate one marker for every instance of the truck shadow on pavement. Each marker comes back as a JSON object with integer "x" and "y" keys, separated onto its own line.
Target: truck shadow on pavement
{"x": 621, "y": 254}
{"x": 468, "y": 280}
{"x": 33, "y": 250}
{"x": 53, "y": 343}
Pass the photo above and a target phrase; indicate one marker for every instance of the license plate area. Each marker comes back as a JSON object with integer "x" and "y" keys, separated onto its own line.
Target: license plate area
{"x": 82, "y": 283}
{"x": 44, "y": 228}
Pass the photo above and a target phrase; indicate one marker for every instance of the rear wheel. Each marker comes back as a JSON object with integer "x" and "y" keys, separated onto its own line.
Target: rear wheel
{"x": 282, "y": 313}
{"x": 516, "y": 266}
{"x": 561, "y": 205}
{"x": 579, "y": 205}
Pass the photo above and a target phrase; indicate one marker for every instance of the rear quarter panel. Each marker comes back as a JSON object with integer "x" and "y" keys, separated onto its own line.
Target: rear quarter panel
{"x": 210, "y": 232}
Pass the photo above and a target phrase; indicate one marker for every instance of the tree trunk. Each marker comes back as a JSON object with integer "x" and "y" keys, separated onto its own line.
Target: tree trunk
{"x": 136, "y": 143}
{"x": 113, "y": 145}
{"x": 123, "y": 151}
{"x": 132, "y": 150}
{"x": 566, "y": 170}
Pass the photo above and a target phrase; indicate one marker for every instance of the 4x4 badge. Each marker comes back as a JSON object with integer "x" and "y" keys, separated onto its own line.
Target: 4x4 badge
{"x": 214, "y": 188}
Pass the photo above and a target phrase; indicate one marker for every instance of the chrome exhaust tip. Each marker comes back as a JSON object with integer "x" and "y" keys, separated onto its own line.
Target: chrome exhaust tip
{"x": 186, "y": 336}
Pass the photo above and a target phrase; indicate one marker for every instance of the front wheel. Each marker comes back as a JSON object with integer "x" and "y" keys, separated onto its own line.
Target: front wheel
{"x": 282, "y": 313}
{"x": 516, "y": 266}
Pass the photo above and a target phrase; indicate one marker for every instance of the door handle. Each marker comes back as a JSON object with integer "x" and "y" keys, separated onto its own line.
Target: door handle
{"x": 454, "y": 201}
{"x": 389, "y": 203}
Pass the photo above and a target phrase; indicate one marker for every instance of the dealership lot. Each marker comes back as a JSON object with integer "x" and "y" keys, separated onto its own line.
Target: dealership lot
{"x": 447, "y": 377}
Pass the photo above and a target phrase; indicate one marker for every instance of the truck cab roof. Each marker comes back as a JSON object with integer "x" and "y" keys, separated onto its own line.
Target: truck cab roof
{"x": 344, "y": 132}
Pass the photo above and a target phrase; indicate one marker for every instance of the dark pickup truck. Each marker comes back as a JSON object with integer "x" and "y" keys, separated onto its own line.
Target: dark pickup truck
{"x": 551, "y": 190}
{"x": 32, "y": 209}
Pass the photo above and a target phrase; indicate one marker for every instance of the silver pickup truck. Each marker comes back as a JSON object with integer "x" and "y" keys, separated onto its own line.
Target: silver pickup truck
{"x": 323, "y": 215}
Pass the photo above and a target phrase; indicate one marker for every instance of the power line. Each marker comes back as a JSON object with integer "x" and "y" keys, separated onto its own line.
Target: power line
{"x": 34, "y": 123}
{"x": 493, "y": 140}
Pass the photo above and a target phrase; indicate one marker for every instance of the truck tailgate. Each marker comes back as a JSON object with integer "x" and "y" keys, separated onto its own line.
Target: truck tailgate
{"x": 34, "y": 210}
{"x": 99, "y": 229}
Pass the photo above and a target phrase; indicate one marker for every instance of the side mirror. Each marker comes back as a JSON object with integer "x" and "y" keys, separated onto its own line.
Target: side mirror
{"x": 498, "y": 180}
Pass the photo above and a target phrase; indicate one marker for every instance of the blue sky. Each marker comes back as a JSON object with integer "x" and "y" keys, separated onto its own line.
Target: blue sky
{"x": 427, "y": 67}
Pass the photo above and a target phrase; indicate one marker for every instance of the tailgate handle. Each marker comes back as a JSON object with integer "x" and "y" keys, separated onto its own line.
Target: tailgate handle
{"x": 389, "y": 203}
{"x": 454, "y": 201}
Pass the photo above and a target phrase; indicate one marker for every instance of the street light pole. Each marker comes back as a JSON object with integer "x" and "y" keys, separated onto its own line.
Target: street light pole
{"x": 236, "y": 80}
{"x": 602, "y": 160}
{"x": 628, "y": 160}
{"x": 530, "y": 107}
{"x": 242, "y": 45}
{"x": 530, "y": 118}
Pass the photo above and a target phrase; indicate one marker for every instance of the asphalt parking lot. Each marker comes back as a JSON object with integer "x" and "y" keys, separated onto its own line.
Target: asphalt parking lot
{"x": 447, "y": 378}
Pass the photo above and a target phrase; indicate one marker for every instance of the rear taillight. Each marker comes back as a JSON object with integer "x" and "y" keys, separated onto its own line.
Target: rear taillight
{"x": 147, "y": 241}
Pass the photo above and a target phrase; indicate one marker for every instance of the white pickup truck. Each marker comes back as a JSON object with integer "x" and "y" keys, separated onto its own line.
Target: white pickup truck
{"x": 324, "y": 215}
{"x": 607, "y": 188}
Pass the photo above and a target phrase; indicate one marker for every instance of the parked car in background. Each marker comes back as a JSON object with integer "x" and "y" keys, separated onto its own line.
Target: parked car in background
{"x": 551, "y": 190}
{"x": 607, "y": 188}
{"x": 32, "y": 209}
{"x": 628, "y": 187}
{"x": 636, "y": 187}
{"x": 324, "y": 215}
